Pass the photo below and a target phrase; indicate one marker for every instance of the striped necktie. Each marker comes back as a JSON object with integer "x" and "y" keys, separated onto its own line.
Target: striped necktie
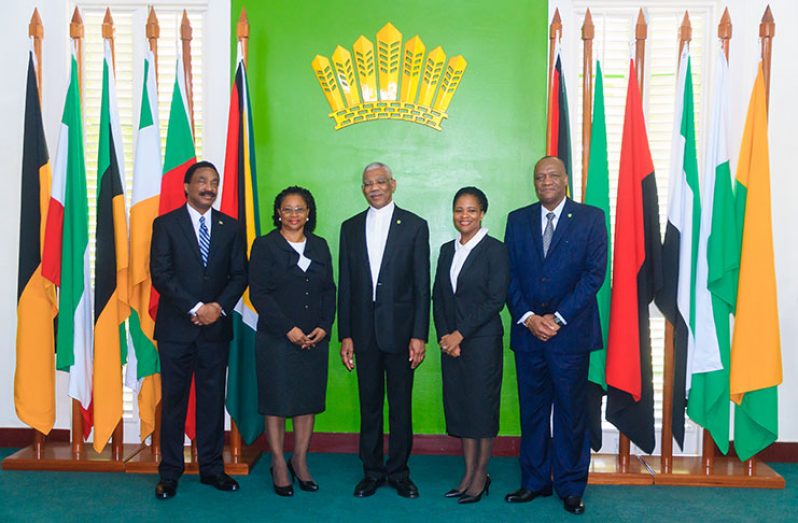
{"x": 548, "y": 232}
{"x": 204, "y": 241}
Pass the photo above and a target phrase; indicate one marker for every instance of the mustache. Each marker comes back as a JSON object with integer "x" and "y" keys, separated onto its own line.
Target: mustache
{"x": 208, "y": 193}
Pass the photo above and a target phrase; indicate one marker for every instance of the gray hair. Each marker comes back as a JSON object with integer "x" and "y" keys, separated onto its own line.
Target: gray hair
{"x": 378, "y": 165}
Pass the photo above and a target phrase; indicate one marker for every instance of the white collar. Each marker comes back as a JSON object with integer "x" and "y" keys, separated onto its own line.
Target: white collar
{"x": 557, "y": 211}
{"x": 385, "y": 211}
{"x": 470, "y": 244}
{"x": 195, "y": 214}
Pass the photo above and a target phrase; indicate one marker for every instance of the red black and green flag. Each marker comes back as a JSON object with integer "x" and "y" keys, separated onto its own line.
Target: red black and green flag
{"x": 637, "y": 276}
{"x": 558, "y": 135}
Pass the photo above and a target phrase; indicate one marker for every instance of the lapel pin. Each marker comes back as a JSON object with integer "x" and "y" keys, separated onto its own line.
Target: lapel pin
{"x": 570, "y": 215}
{"x": 398, "y": 222}
{"x": 222, "y": 223}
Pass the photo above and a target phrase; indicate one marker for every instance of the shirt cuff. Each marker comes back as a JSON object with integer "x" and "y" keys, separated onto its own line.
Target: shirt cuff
{"x": 562, "y": 320}
{"x": 195, "y": 308}
{"x": 525, "y": 317}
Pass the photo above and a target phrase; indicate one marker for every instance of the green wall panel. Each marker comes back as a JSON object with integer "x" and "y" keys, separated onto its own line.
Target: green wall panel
{"x": 494, "y": 133}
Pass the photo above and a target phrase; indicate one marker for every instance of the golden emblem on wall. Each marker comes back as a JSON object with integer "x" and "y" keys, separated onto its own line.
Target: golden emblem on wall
{"x": 366, "y": 90}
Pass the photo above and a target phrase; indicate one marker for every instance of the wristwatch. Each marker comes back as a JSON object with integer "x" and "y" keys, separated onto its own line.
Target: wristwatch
{"x": 557, "y": 320}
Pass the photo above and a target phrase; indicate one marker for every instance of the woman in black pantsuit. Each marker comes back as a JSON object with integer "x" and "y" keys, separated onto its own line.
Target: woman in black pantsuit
{"x": 291, "y": 286}
{"x": 469, "y": 293}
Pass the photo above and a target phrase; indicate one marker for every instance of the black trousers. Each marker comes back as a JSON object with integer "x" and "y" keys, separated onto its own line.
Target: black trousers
{"x": 208, "y": 362}
{"x": 374, "y": 368}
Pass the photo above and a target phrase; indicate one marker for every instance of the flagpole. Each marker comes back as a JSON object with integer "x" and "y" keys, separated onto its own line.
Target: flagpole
{"x": 588, "y": 32}
{"x": 76, "y": 33}
{"x": 185, "y": 38}
{"x": 555, "y": 35}
{"x": 767, "y": 30}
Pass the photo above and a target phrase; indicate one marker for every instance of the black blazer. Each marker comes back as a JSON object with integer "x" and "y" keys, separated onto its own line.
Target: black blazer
{"x": 401, "y": 310}
{"x": 285, "y": 296}
{"x": 182, "y": 281}
{"x": 481, "y": 290}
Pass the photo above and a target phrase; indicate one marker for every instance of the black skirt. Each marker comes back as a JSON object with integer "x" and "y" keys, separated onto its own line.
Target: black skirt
{"x": 472, "y": 388}
{"x": 291, "y": 381}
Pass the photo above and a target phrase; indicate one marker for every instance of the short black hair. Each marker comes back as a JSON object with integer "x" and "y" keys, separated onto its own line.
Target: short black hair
{"x": 476, "y": 193}
{"x": 194, "y": 168}
{"x": 306, "y": 195}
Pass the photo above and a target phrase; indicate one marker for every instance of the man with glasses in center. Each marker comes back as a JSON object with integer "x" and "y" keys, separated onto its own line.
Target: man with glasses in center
{"x": 383, "y": 317}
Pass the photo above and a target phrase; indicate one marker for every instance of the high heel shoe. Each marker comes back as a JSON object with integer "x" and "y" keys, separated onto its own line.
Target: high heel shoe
{"x": 468, "y": 498}
{"x": 307, "y": 486}
{"x": 454, "y": 493}
{"x": 285, "y": 491}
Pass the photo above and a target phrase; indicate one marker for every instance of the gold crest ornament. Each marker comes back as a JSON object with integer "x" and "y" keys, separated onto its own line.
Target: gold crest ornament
{"x": 364, "y": 89}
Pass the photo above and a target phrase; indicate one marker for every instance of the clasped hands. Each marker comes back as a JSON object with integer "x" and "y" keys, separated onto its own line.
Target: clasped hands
{"x": 542, "y": 326}
{"x": 450, "y": 344}
{"x": 306, "y": 341}
{"x": 416, "y": 349}
{"x": 207, "y": 314}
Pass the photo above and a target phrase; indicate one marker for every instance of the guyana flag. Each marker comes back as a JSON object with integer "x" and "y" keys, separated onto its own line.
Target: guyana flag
{"x": 756, "y": 351}
{"x": 143, "y": 365}
{"x": 111, "y": 307}
{"x": 34, "y": 379}
{"x": 240, "y": 200}
{"x": 716, "y": 271}
{"x": 597, "y": 193}
{"x": 180, "y": 155}
{"x": 677, "y": 297}
{"x": 65, "y": 258}
{"x": 558, "y": 127}
{"x": 636, "y": 277}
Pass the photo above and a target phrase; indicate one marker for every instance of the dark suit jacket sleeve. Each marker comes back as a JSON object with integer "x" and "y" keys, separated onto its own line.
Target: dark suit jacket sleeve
{"x": 261, "y": 267}
{"x": 516, "y": 301}
{"x": 593, "y": 273}
{"x": 162, "y": 269}
{"x": 438, "y": 314}
{"x": 498, "y": 277}
{"x": 421, "y": 282}
{"x": 327, "y": 293}
{"x": 344, "y": 288}
{"x": 237, "y": 275}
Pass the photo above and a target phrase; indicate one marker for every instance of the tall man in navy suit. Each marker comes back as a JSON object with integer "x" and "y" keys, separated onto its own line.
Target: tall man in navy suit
{"x": 383, "y": 318}
{"x": 558, "y": 256}
{"x": 199, "y": 267}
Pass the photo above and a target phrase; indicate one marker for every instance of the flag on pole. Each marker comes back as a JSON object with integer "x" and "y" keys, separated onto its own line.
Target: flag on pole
{"x": 34, "y": 379}
{"x": 65, "y": 259}
{"x": 636, "y": 277}
{"x": 240, "y": 200}
{"x": 716, "y": 272}
{"x": 143, "y": 366}
{"x": 677, "y": 297}
{"x": 111, "y": 306}
{"x": 597, "y": 193}
{"x": 558, "y": 135}
{"x": 180, "y": 155}
{"x": 756, "y": 352}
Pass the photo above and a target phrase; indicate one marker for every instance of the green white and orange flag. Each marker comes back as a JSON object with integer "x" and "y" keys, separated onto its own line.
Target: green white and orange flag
{"x": 111, "y": 306}
{"x": 240, "y": 200}
{"x": 143, "y": 365}
{"x": 65, "y": 259}
{"x": 34, "y": 379}
{"x": 756, "y": 349}
{"x": 716, "y": 271}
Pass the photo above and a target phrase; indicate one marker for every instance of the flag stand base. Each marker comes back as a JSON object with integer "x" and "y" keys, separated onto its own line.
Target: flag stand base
{"x": 59, "y": 457}
{"x": 607, "y": 469}
{"x": 690, "y": 471}
{"x": 146, "y": 462}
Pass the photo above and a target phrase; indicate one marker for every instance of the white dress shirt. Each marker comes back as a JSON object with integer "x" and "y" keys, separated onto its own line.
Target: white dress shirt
{"x": 461, "y": 252}
{"x": 378, "y": 223}
{"x": 543, "y": 221}
{"x": 303, "y": 262}
{"x": 195, "y": 215}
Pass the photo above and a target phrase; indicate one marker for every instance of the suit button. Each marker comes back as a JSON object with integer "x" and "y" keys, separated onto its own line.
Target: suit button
{"x": 307, "y": 279}
{"x": 544, "y": 279}
{"x": 306, "y": 306}
{"x": 307, "y": 294}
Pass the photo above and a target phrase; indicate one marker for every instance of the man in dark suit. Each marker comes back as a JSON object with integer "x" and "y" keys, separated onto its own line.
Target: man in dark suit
{"x": 383, "y": 317}
{"x": 558, "y": 256}
{"x": 199, "y": 267}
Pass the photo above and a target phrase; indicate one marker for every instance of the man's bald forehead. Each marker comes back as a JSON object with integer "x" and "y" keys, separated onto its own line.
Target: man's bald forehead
{"x": 551, "y": 159}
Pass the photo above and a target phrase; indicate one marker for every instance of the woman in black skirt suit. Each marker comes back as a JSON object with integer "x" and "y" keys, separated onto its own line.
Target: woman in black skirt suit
{"x": 291, "y": 286}
{"x": 469, "y": 293}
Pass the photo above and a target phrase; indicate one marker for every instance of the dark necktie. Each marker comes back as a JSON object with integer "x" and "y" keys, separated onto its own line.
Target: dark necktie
{"x": 204, "y": 241}
{"x": 548, "y": 232}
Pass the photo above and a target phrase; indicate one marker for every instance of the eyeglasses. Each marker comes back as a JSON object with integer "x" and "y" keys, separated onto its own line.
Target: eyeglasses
{"x": 296, "y": 210}
{"x": 379, "y": 181}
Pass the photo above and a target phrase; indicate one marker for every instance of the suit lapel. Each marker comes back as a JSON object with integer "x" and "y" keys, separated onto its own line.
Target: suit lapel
{"x": 563, "y": 224}
{"x": 469, "y": 261}
{"x": 537, "y": 235}
{"x": 394, "y": 236}
{"x": 184, "y": 220}
{"x": 447, "y": 257}
{"x": 217, "y": 230}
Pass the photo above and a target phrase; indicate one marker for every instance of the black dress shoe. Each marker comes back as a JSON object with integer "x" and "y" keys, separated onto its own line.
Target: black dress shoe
{"x": 166, "y": 488}
{"x": 307, "y": 486}
{"x": 221, "y": 482}
{"x": 404, "y": 487}
{"x": 454, "y": 493}
{"x": 523, "y": 495}
{"x": 286, "y": 491}
{"x": 573, "y": 504}
{"x": 473, "y": 498}
{"x": 368, "y": 486}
